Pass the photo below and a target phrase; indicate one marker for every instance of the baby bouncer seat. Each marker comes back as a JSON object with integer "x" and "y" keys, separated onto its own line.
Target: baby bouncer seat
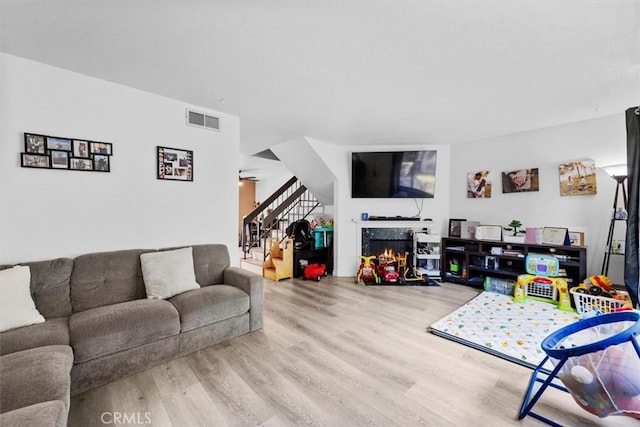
{"x": 597, "y": 359}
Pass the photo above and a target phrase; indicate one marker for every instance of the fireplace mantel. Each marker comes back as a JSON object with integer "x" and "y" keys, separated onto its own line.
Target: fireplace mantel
{"x": 394, "y": 224}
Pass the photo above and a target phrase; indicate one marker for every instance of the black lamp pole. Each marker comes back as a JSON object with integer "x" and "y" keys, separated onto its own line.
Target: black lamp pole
{"x": 620, "y": 183}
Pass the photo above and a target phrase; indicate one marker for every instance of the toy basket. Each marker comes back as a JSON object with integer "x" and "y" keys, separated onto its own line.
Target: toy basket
{"x": 598, "y": 361}
{"x": 586, "y": 303}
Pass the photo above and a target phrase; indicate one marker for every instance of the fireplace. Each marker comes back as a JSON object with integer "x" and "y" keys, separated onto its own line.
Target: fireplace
{"x": 376, "y": 240}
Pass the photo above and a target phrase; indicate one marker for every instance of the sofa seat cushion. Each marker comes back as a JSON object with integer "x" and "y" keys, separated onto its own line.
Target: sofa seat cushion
{"x": 114, "y": 328}
{"x": 210, "y": 304}
{"x": 51, "y": 332}
{"x": 46, "y": 414}
{"x": 34, "y": 376}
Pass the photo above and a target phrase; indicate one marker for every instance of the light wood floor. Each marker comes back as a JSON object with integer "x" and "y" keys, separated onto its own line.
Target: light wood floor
{"x": 335, "y": 354}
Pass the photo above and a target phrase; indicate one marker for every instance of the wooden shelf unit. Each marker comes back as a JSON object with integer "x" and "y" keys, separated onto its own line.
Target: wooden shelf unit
{"x": 469, "y": 261}
{"x": 311, "y": 256}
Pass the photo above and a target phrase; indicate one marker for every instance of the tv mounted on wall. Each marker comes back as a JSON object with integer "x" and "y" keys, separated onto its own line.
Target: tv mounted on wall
{"x": 393, "y": 174}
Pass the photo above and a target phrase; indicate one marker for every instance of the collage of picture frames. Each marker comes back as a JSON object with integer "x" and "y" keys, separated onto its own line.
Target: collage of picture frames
{"x": 52, "y": 152}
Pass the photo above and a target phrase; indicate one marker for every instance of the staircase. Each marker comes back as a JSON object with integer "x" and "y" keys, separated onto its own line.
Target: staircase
{"x": 290, "y": 203}
{"x": 279, "y": 263}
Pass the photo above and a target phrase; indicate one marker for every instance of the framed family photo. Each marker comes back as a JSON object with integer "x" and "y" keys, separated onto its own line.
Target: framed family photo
{"x": 54, "y": 152}
{"x": 455, "y": 227}
{"x": 174, "y": 164}
{"x": 34, "y": 144}
{"x": 59, "y": 159}
{"x": 576, "y": 238}
{"x": 101, "y": 163}
{"x": 80, "y": 148}
{"x": 81, "y": 164}
{"x": 61, "y": 144}
{"x": 34, "y": 161}
{"x": 104, "y": 148}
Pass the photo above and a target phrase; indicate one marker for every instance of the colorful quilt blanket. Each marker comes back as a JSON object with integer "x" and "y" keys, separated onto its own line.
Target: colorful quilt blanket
{"x": 493, "y": 323}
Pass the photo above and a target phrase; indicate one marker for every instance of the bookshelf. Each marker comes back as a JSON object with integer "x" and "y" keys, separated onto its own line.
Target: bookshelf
{"x": 469, "y": 261}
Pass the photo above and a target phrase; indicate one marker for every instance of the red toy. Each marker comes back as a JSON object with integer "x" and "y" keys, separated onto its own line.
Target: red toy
{"x": 367, "y": 271}
{"x": 389, "y": 274}
{"x": 315, "y": 272}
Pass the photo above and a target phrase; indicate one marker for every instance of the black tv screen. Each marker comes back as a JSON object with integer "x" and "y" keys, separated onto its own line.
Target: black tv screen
{"x": 389, "y": 174}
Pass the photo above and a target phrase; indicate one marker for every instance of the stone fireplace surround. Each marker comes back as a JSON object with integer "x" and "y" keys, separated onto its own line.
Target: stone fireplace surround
{"x": 376, "y": 240}
{"x": 376, "y": 236}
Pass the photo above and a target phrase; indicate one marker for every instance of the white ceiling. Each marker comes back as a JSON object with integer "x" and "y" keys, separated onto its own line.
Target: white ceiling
{"x": 358, "y": 72}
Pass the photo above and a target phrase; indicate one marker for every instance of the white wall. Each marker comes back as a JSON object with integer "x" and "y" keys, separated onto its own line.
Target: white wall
{"x": 603, "y": 140}
{"x": 53, "y": 213}
{"x": 265, "y": 187}
{"x": 347, "y": 211}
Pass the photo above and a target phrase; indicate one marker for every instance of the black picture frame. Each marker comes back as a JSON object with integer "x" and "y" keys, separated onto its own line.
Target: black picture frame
{"x": 455, "y": 227}
{"x": 62, "y": 153}
{"x": 35, "y": 144}
{"x": 81, "y": 148}
{"x": 58, "y": 144}
{"x": 101, "y": 163}
{"x": 38, "y": 161}
{"x": 59, "y": 159}
{"x": 104, "y": 148}
{"x": 174, "y": 164}
{"x": 80, "y": 164}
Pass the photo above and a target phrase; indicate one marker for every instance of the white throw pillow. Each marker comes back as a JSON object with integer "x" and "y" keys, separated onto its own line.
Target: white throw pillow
{"x": 16, "y": 305}
{"x": 168, "y": 273}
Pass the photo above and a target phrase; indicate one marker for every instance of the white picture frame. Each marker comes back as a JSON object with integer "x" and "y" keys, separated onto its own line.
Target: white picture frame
{"x": 557, "y": 236}
{"x": 489, "y": 232}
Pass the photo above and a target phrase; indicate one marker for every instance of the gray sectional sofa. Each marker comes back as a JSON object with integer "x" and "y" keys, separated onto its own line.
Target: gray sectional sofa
{"x": 100, "y": 326}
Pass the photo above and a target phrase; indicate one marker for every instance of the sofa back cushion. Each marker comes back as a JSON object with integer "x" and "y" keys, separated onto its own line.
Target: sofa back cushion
{"x": 50, "y": 286}
{"x": 105, "y": 278}
{"x": 209, "y": 262}
{"x": 168, "y": 273}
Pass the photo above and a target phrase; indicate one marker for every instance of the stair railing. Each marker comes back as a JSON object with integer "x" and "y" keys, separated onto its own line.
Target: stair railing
{"x": 291, "y": 202}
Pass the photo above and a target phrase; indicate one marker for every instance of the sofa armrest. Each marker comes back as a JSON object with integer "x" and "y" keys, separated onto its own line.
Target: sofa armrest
{"x": 252, "y": 284}
{"x": 34, "y": 376}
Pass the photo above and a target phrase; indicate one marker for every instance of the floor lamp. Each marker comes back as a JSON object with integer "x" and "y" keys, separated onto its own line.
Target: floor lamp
{"x": 619, "y": 173}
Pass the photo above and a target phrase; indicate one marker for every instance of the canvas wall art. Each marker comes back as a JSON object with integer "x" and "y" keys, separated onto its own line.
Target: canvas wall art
{"x": 578, "y": 178}
{"x": 520, "y": 180}
{"x": 479, "y": 185}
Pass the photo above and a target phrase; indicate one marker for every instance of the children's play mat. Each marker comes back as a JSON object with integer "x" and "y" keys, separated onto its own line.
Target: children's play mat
{"x": 493, "y": 323}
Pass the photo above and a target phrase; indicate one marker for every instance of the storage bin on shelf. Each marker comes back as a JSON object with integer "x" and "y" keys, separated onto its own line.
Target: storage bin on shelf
{"x": 501, "y": 286}
{"x": 322, "y": 236}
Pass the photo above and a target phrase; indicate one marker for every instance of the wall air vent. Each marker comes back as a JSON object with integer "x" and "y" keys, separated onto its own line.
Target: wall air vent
{"x": 201, "y": 120}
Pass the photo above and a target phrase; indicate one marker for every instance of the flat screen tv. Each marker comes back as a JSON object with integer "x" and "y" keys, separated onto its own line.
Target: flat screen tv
{"x": 393, "y": 174}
